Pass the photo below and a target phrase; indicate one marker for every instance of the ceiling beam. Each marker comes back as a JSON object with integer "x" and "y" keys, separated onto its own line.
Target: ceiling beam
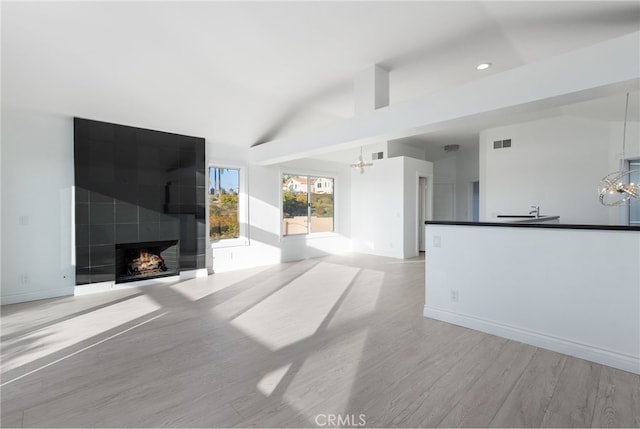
{"x": 599, "y": 70}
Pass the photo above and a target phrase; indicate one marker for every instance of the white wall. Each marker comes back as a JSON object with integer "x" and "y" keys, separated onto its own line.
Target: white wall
{"x": 37, "y": 180}
{"x": 572, "y": 291}
{"x": 467, "y": 171}
{"x": 457, "y": 172}
{"x": 377, "y": 211}
{"x": 299, "y": 247}
{"x": 376, "y": 147}
{"x": 632, "y": 145}
{"x": 266, "y": 246}
{"x": 384, "y": 207}
{"x": 444, "y": 178}
{"x": 553, "y": 163}
{"x": 263, "y": 246}
{"x": 402, "y": 149}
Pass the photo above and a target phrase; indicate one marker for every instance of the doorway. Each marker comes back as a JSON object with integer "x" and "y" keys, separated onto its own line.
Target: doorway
{"x": 422, "y": 211}
{"x": 475, "y": 201}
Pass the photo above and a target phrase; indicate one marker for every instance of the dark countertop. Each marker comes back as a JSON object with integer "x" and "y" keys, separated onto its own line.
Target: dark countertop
{"x": 527, "y": 219}
{"x": 538, "y": 225}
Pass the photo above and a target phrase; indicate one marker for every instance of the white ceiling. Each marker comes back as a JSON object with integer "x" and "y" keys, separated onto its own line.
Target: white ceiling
{"x": 241, "y": 73}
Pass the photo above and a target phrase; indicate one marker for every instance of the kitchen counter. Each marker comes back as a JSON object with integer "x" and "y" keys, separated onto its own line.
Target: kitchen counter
{"x": 525, "y": 224}
{"x": 573, "y": 289}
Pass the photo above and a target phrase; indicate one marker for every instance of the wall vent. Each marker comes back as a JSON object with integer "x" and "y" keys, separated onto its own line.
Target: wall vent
{"x": 377, "y": 155}
{"x": 500, "y": 144}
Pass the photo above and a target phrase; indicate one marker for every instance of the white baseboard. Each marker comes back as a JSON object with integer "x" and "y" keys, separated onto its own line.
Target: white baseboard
{"x": 105, "y": 286}
{"x": 192, "y": 274}
{"x": 36, "y": 295}
{"x": 560, "y": 345}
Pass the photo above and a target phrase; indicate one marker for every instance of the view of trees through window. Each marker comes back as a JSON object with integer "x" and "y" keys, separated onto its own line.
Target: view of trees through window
{"x": 224, "y": 187}
{"x": 307, "y": 204}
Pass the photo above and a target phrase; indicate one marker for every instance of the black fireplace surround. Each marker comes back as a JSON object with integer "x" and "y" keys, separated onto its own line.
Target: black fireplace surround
{"x": 135, "y": 185}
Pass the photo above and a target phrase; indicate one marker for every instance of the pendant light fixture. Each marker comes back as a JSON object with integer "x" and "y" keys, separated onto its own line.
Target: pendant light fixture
{"x": 360, "y": 164}
{"x": 616, "y": 188}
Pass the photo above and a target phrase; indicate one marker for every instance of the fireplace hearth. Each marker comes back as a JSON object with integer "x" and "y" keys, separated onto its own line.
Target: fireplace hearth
{"x": 141, "y": 261}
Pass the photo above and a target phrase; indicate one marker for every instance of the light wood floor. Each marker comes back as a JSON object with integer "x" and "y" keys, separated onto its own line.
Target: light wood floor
{"x": 288, "y": 346}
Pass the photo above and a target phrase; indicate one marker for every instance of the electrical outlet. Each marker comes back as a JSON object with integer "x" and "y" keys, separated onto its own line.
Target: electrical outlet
{"x": 24, "y": 279}
{"x": 455, "y": 296}
{"x": 437, "y": 242}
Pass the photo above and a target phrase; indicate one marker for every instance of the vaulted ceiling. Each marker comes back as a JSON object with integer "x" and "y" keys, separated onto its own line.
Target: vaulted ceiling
{"x": 241, "y": 73}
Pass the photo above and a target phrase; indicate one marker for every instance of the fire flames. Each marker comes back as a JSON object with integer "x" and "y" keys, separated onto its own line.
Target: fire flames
{"x": 146, "y": 263}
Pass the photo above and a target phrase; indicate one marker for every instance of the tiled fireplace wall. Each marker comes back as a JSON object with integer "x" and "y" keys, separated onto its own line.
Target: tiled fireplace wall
{"x": 136, "y": 185}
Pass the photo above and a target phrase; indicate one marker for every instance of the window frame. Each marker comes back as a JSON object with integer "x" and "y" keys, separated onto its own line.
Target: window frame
{"x": 632, "y": 165}
{"x": 243, "y": 206}
{"x": 315, "y": 174}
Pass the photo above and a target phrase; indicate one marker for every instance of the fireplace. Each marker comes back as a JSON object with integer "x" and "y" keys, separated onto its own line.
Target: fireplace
{"x": 134, "y": 185}
{"x": 141, "y": 261}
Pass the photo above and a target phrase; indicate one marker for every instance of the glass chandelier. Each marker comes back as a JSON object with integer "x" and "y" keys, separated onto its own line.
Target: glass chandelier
{"x": 615, "y": 188}
{"x": 360, "y": 164}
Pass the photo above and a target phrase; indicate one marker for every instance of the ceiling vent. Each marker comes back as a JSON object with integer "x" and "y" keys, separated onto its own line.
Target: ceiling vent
{"x": 377, "y": 155}
{"x": 451, "y": 148}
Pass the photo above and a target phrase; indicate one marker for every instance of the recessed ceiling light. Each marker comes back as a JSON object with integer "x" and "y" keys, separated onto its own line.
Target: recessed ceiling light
{"x": 483, "y": 66}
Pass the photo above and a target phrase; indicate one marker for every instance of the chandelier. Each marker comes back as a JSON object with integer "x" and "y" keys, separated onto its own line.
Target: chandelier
{"x": 616, "y": 188}
{"x": 360, "y": 164}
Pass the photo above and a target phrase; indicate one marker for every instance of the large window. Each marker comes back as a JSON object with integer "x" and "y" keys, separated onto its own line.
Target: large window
{"x": 307, "y": 204}
{"x": 224, "y": 190}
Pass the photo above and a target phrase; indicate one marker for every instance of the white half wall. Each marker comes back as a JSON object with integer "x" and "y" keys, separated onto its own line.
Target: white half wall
{"x": 572, "y": 291}
{"x": 37, "y": 182}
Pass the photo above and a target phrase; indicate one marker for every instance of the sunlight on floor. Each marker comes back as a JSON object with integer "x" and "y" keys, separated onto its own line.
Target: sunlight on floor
{"x": 43, "y": 342}
{"x": 199, "y": 288}
{"x": 270, "y": 381}
{"x": 296, "y": 311}
{"x": 332, "y": 386}
{"x": 360, "y": 301}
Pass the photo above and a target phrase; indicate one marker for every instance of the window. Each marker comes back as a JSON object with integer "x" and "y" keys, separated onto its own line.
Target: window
{"x": 224, "y": 191}
{"x": 307, "y": 204}
{"x": 634, "y": 203}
